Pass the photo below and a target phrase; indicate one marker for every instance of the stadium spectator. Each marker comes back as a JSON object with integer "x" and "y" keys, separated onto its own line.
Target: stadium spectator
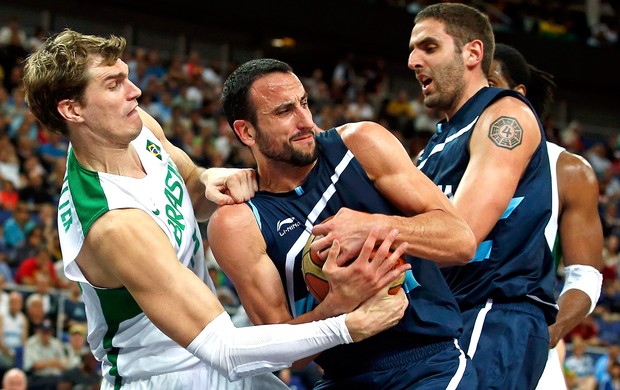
{"x": 44, "y": 358}
{"x": 74, "y": 312}
{"x": 613, "y": 382}
{"x": 36, "y": 267}
{"x": 14, "y": 329}
{"x": 35, "y": 312}
{"x": 76, "y": 347}
{"x": 581, "y": 365}
{"x": 9, "y": 197}
{"x": 14, "y": 379}
{"x": 27, "y": 248}
{"x": 602, "y": 364}
{"x": 18, "y": 225}
{"x": 9, "y": 164}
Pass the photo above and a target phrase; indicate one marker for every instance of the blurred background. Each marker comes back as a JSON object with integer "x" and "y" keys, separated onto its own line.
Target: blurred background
{"x": 352, "y": 57}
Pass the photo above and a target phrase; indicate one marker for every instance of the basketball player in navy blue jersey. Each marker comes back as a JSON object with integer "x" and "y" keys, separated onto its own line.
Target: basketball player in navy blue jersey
{"x": 574, "y": 232}
{"x": 306, "y": 177}
{"x": 489, "y": 157}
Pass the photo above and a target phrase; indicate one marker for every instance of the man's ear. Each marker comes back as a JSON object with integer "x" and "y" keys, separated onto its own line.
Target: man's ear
{"x": 70, "y": 110}
{"x": 245, "y": 131}
{"x": 521, "y": 89}
{"x": 473, "y": 52}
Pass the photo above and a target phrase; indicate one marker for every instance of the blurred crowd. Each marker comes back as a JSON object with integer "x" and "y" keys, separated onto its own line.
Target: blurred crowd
{"x": 42, "y": 318}
{"x": 595, "y": 22}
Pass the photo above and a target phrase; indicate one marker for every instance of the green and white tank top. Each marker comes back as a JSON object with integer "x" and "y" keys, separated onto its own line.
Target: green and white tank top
{"x": 119, "y": 333}
{"x": 551, "y": 231}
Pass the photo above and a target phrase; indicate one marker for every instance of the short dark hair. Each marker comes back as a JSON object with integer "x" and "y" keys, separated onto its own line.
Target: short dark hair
{"x": 235, "y": 94}
{"x": 464, "y": 24}
{"x": 539, "y": 84}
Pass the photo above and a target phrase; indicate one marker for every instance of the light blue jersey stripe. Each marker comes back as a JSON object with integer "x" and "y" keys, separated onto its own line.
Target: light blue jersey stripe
{"x": 484, "y": 249}
{"x": 256, "y": 214}
{"x": 514, "y": 203}
{"x": 483, "y": 252}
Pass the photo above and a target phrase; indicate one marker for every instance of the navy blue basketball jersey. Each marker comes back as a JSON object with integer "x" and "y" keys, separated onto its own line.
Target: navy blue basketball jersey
{"x": 514, "y": 261}
{"x": 286, "y": 221}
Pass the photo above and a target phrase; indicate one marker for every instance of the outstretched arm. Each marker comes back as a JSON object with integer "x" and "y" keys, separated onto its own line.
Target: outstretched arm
{"x": 159, "y": 283}
{"x": 581, "y": 236}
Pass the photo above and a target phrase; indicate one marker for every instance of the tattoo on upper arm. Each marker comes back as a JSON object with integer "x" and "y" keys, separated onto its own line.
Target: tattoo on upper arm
{"x": 506, "y": 132}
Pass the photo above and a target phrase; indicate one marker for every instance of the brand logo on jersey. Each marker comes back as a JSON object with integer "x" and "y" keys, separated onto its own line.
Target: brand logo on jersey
{"x": 153, "y": 149}
{"x": 286, "y": 225}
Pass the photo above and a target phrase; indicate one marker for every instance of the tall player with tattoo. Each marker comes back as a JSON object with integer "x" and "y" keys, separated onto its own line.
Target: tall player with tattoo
{"x": 489, "y": 156}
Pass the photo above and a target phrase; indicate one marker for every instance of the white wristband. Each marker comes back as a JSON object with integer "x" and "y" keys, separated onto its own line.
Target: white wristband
{"x": 242, "y": 352}
{"x": 584, "y": 278}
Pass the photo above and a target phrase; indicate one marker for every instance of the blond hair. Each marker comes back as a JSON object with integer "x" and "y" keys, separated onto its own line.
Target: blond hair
{"x": 58, "y": 70}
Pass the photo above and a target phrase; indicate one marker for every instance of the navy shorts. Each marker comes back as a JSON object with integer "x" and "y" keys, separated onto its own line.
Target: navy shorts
{"x": 508, "y": 344}
{"x": 439, "y": 366}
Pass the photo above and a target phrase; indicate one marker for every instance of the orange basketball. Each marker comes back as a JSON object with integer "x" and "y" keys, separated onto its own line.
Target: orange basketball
{"x": 316, "y": 281}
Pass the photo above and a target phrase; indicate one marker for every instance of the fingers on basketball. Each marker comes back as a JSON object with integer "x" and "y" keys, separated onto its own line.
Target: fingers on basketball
{"x": 316, "y": 281}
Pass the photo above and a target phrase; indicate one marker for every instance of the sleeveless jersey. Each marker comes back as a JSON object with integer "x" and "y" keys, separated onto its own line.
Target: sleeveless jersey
{"x": 119, "y": 333}
{"x": 286, "y": 220}
{"x": 551, "y": 231}
{"x": 514, "y": 261}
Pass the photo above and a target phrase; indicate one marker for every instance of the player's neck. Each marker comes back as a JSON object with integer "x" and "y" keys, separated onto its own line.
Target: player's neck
{"x": 469, "y": 91}
{"x": 282, "y": 177}
{"x": 122, "y": 162}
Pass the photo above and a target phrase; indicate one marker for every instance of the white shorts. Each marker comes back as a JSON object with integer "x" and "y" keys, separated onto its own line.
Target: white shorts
{"x": 553, "y": 376}
{"x": 199, "y": 378}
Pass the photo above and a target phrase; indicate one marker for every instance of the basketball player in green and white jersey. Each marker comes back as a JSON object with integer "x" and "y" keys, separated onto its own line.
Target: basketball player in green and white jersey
{"x": 127, "y": 220}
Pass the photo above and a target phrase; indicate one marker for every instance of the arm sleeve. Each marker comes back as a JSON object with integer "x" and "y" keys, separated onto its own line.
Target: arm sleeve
{"x": 242, "y": 352}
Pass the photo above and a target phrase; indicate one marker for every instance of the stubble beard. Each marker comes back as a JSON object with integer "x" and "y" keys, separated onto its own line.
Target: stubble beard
{"x": 449, "y": 89}
{"x": 286, "y": 152}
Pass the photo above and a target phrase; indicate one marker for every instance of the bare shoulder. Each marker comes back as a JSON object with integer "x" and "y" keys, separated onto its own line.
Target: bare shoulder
{"x": 574, "y": 168}
{"x": 509, "y": 124}
{"x": 131, "y": 229}
{"x": 506, "y": 110}
{"x": 510, "y": 102}
{"x": 357, "y": 130}
{"x": 115, "y": 224}
{"x": 232, "y": 217}
{"x": 228, "y": 224}
{"x": 364, "y": 137}
{"x": 236, "y": 241}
